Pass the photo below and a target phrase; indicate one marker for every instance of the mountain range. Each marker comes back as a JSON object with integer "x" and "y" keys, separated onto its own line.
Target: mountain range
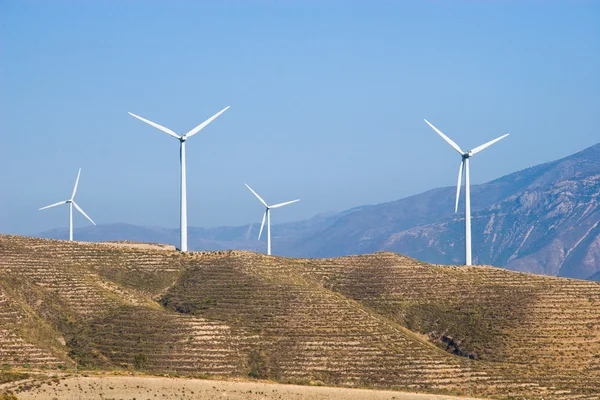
{"x": 542, "y": 219}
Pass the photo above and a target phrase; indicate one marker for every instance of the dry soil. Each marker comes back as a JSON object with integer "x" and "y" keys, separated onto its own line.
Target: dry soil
{"x": 142, "y": 388}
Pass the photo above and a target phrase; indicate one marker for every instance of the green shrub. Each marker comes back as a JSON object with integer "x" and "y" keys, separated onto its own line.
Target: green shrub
{"x": 258, "y": 364}
{"x": 140, "y": 361}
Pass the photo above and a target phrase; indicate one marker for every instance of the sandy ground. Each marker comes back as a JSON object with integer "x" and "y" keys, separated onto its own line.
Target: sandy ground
{"x": 143, "y": 388}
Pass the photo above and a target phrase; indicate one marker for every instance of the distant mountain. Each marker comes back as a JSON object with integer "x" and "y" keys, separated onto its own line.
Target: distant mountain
{"x": 217, "y": 238}
{"x": 544, "y": 219}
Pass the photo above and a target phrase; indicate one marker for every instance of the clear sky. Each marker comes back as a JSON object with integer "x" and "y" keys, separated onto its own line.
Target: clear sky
{"x": 327, "y": 102}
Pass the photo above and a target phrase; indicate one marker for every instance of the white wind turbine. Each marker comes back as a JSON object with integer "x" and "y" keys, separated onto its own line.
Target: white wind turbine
{"x": 71, "y": 203}
{"x": 267, "y": 216}
{"x": 464, "y": 165}
{"x": 182, "y": 139}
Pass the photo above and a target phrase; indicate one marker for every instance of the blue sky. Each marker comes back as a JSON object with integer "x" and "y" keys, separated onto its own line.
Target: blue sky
{"x": 327, "y": 102}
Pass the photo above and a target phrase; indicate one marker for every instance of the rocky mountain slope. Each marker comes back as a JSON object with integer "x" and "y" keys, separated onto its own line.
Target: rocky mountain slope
{"x": 382, "y": 320}
{"x": 543, "y": 219}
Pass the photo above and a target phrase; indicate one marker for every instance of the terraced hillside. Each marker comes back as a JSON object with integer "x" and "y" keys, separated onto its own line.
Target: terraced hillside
{"x": 547, "y": 327}
{"x": 380, "y": 320}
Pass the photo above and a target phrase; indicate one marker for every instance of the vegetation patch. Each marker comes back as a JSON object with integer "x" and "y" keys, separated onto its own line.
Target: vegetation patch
{"x": 10, "y": 376}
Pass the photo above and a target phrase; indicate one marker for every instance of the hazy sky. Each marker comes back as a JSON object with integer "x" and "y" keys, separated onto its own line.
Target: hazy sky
{"x": 327, "y": 102}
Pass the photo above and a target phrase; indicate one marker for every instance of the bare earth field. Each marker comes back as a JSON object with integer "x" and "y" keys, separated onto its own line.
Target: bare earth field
{"x": 141, "y": 388}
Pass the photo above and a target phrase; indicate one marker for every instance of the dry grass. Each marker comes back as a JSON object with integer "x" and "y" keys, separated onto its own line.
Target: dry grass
{"x": 381, "y": 321}
{"x": 137, "y": 245}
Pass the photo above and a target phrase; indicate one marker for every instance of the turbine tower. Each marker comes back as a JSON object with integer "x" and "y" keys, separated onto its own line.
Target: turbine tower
{"x": 267, "y": 216}
{"x": 182, "y": 139}
{"x": 464, "y": 166}
{"x": 71, "y": 203}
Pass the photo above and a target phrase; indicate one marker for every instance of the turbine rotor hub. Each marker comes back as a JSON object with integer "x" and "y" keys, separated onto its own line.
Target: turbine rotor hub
{"x": 183, "y": 138}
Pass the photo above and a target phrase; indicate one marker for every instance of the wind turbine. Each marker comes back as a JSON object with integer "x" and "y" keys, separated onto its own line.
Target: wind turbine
{"x": 182, "y": 139}
{"x": 464, "y": 165}
{"x": 71, "y": 203}
{"x": 267, "y": 216}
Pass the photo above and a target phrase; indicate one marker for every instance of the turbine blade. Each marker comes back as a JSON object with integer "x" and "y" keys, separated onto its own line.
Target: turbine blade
{"x": 257, "y": 196}
{"x": 202, "y": 125}
{"x": 284, "y": 204}
{"x": 53, "y": 205}
{"x": 76, "y": 183}
{"x": 488, "y": 144}
{"x": 446, "y": 138}
{"x": 83, "y": 212}
{"x": 262, "y": 225}
{"x": 162, "y": 128}
{"x": 460, "y": 171}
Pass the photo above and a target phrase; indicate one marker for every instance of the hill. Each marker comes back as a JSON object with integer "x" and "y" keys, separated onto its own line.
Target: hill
{"x": 380, "y": 321}
{"x": 556, "y": 206}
